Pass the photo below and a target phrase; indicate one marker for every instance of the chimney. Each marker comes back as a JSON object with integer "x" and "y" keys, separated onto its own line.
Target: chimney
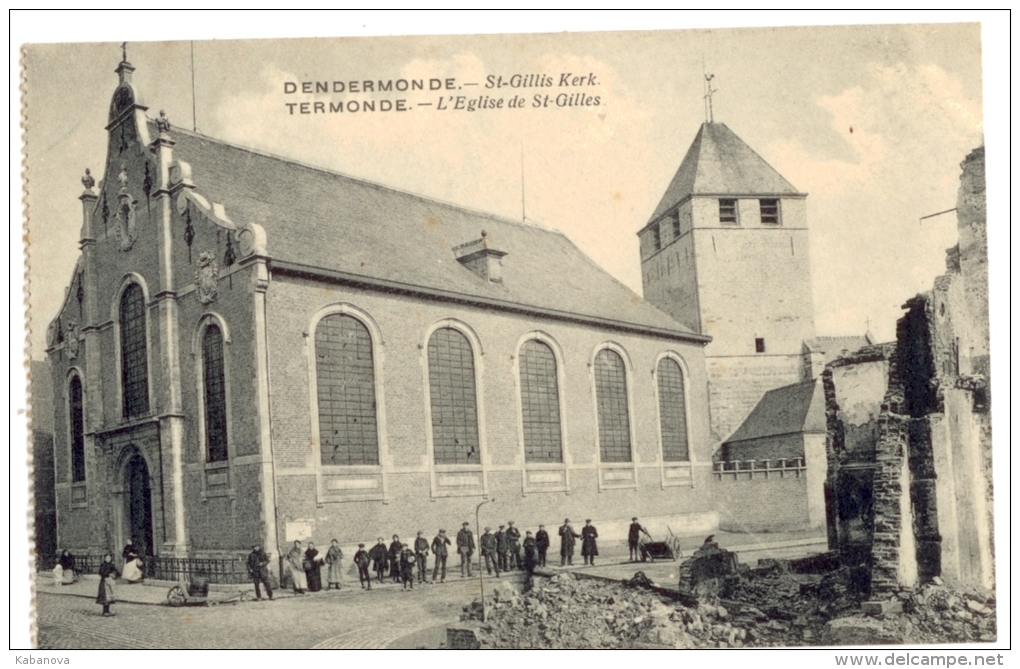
{"x": 481, "y": 258}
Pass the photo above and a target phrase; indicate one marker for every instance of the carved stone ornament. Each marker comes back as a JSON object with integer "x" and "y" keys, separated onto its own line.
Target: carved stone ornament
{"x": 207, "y": 275}
{"x": 88, "y": 180}
{"x": 126, "y": 221}
{"x": 162, "y": 123}
{"x": 73, "y": 342}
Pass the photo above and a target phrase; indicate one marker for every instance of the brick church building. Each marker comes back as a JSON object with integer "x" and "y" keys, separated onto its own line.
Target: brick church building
{"x": 252, "y": 349}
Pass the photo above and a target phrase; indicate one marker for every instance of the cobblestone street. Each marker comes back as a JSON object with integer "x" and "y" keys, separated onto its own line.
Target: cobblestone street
{"x": 350, "y": 618}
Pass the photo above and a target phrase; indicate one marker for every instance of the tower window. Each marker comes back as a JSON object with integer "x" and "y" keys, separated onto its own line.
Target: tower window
{"x": 656, "y": 238}
{"x": 77, "y": 430}
{"x": 759, "y": 345}
{"x": 676, "y": 224}
{"x": 769, "y": 212}
{"x": 728, "y": 211}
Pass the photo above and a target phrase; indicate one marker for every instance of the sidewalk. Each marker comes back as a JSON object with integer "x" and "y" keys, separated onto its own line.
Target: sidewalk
{"x": 148, "y": 592}
{"x": 612, "y": 562}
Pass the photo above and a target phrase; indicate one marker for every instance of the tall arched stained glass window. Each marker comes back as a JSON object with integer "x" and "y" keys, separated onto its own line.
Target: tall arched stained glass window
{"x": 540, "y": 403}
{"x": 134, "y": 362}
{"x": 345, "y": 380}
{"x": 613, "y": 415}
{"x": 452, "y": 399}
{"x": 76, "y": 409}
{"x": 214, "y": 381}
{"x": 672, "y": 411}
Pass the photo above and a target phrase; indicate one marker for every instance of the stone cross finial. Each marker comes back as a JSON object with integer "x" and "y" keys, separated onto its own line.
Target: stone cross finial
{"x": 88, "y": 180}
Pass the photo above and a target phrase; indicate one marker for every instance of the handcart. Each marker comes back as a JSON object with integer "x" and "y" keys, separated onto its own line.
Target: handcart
{"x": 196, "y": 593}
{"x": 661, "y": 550}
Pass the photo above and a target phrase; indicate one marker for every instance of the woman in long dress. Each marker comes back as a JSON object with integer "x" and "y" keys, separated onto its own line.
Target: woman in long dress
{"x": 107, "y": 572}
{"x": 66, "y": 562}
{"x": 334, "y": 573}
{"x": 312, "y": 564}
{"x": 133, "y": 569}
{"x": 295, "y": 561}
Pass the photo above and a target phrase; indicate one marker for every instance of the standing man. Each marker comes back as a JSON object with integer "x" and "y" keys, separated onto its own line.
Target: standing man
{"x": 542, "y": 543}
{"x": 501, "y": 548}
{"x": 568, "y": 538}
{"x": 513, "y": 536}
{"x": 394, "y": 555}
{"x": 439, "y": 544}
{"x": 407, "y": 560}
{"x": 487, "y": 544}
{"x": 589, "y": 547}
{"x": 421, "y": 553}
{"x": 634, "y": 538}
{"x": 530, "y": 553}
{"x": 379, "y": 558}
{"x": 466, "y": 548}
{"x": 258, "y": 569}
{"x": 361, "y": 559}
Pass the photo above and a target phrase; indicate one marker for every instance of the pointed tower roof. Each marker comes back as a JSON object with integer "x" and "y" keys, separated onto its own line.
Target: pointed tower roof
{"x": 720, "y": 163}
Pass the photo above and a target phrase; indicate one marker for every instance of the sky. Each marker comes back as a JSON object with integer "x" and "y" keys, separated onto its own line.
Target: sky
{"x": 871, "y": 121}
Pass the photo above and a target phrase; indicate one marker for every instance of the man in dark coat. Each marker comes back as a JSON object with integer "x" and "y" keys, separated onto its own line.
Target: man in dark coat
{"x": 568, "y": 538}
{"x": 258, "y": 570}
{"x": 465, "y": 548}
{"x": 394, "y": 556}
{"x": 407, "y": 560}
{"x": 379, "y": 557}
{"x": 439, "y": 549}
{"x": 530, "y": 553}
{"x": 501, "y": 546}
{"x": 362, "y": 559}
{"x": 542, "y": 543}
{"x": 589, "y": 547}
{"x": 487, "y": 544}
{"x": 513, "y": 547}
{"x": 421, "y": 554}
{"x": 634, "y": 538}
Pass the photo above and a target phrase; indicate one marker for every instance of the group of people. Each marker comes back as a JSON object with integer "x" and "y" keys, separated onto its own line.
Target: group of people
{"x": 405, "y": 563}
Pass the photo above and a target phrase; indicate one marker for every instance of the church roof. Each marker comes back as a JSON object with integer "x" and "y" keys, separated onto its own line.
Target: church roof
{"x": 323, "y": 220}
{"x": 720, "y": 163}
{"x": 788, "y": 410}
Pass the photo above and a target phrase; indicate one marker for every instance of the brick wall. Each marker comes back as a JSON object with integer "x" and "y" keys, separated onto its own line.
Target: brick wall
{"x": 410, "y": 506}
{"x": 775, "y": 503}
{"x": 737, "y": 384}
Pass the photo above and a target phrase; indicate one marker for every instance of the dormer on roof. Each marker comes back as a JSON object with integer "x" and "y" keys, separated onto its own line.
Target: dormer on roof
{"x": 481, "y": 258}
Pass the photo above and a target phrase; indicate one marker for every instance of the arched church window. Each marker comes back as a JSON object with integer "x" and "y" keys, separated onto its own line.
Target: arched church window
{"x": 540, "y": 403}
{"x": 345, "y": 384}
{"x": 76, "y": 409}
{"x": 134, "y": 362}
{"x": 214, "y": 383}
{"x": 452, "y": 399}
{"x": 672, "y": 411}
{"x": 613, "y": 414}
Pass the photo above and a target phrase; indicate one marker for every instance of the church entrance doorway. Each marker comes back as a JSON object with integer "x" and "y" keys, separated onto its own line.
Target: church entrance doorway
{"x": 139, "y": 504}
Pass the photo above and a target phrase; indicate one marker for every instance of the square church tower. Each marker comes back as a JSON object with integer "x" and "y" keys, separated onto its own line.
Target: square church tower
{"x": 726, "y": 254}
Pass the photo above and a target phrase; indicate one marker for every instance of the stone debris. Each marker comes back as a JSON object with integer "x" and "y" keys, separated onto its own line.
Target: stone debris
{"x": 767, "y": 607}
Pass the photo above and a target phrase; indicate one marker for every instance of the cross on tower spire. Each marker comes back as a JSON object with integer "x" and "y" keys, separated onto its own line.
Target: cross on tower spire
{"x": 709, "y": 116}
{"x": 123, "y": 52}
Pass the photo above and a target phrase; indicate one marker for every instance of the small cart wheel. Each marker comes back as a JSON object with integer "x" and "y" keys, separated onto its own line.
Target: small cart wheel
{"x": 176, "y": 597}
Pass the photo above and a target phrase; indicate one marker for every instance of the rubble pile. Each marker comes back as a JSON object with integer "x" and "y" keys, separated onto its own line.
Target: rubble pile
{"x": 766, "y": 607}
